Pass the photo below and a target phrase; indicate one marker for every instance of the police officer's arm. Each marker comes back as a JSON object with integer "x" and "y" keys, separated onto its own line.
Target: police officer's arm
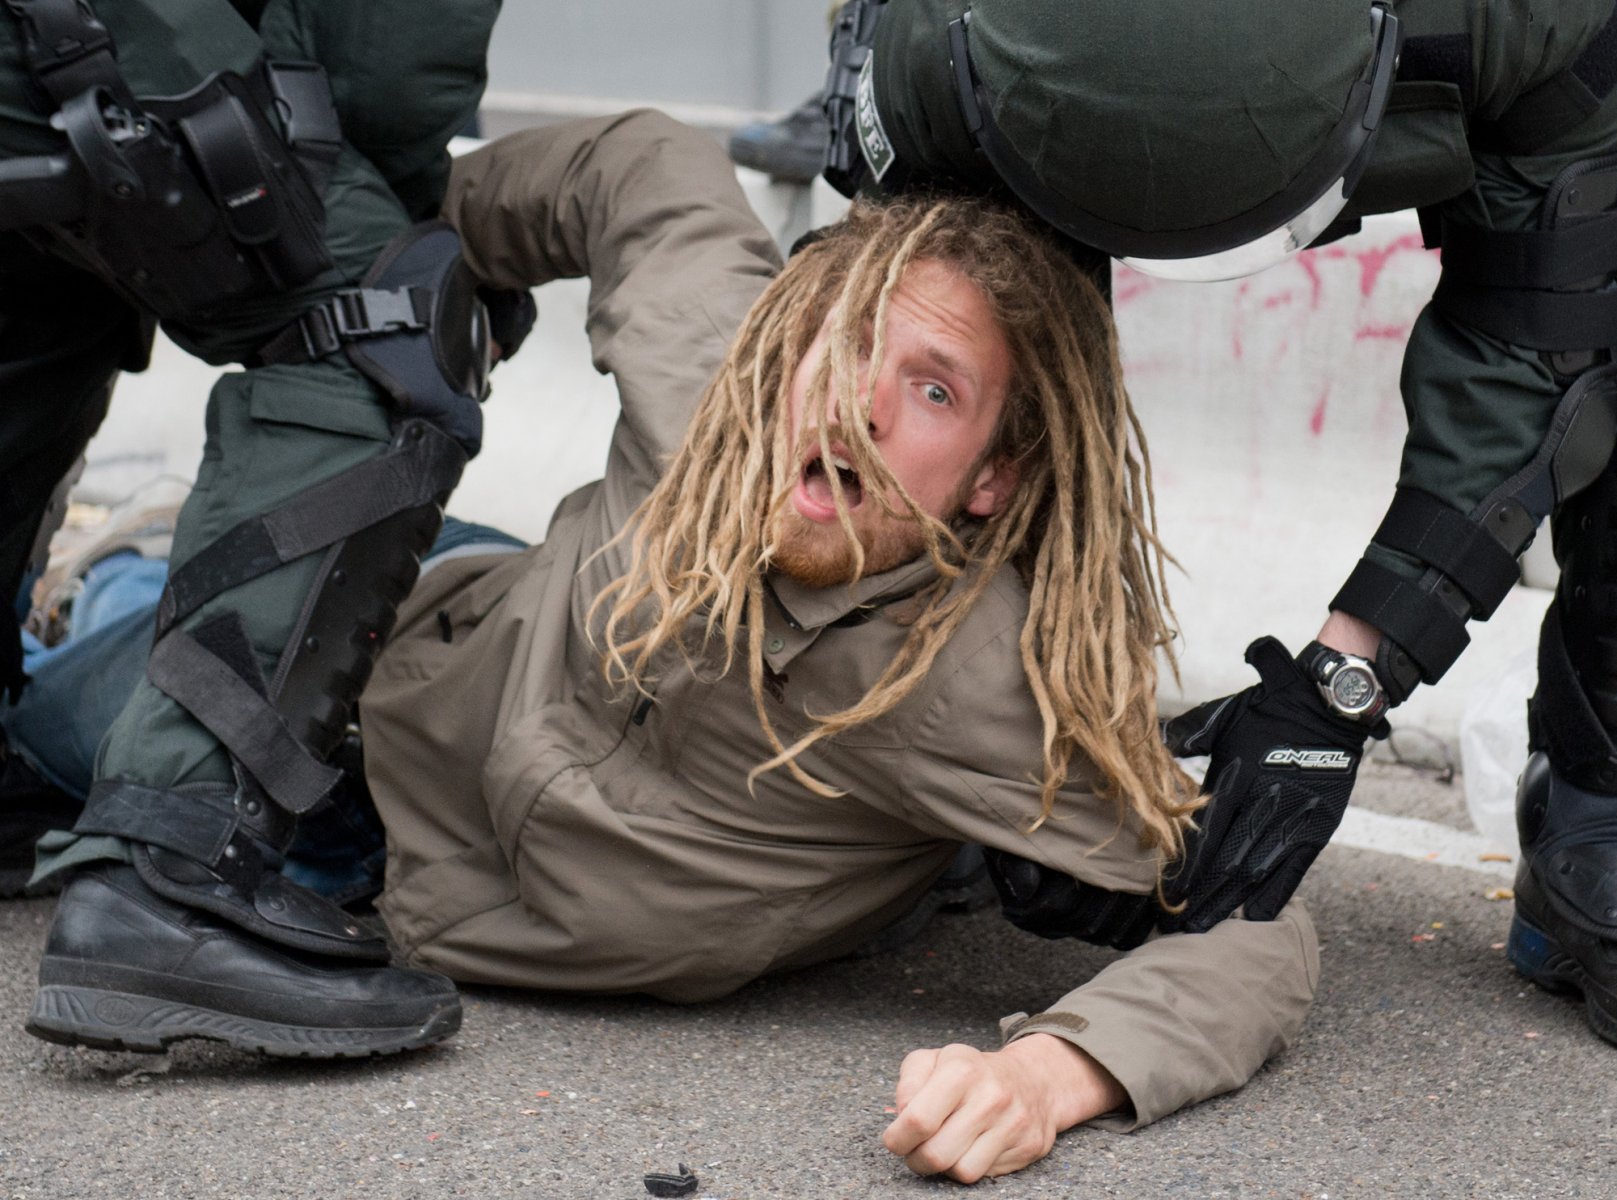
{"x": 1481, "y": 405}
{"x": 1498, "y": 433}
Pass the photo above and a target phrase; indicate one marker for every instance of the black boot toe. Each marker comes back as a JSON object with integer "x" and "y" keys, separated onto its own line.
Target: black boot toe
{"x": 127, "y": 969}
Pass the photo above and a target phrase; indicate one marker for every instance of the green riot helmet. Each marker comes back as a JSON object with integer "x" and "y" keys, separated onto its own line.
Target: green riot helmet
{"x": 1192, "y": 140}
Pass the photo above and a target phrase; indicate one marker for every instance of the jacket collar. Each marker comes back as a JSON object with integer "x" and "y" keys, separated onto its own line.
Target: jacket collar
{"x": 814, "y": 608}
{"x": 799, "y": 613}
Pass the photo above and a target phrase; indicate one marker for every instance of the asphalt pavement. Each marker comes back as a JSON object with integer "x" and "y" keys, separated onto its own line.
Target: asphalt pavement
{"x": 1428, "y": 1068}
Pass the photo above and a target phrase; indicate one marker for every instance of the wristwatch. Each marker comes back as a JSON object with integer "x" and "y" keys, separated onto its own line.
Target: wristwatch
{"x": 1347, "y": 683}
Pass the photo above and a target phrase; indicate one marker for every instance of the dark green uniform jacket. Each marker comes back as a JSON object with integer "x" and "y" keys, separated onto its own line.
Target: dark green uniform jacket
{"x": 1478, "y": 407}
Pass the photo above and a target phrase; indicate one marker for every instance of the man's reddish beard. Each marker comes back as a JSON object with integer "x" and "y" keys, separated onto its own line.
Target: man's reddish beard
{"x": 820, "y": 556}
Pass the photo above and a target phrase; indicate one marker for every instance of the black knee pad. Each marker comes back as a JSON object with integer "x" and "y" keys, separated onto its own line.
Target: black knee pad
{"x": 416, "y": 327}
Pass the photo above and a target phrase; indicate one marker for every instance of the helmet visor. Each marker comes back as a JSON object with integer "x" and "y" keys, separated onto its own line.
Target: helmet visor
{"x": 1260, "y": 253}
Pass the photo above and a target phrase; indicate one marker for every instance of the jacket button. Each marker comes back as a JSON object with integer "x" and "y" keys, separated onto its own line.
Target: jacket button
{"x": 775, "y": 645}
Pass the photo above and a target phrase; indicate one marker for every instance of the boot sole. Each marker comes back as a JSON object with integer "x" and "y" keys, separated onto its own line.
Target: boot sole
{"x": 1539, "y": 958}
{"x": 111, "y": 1020}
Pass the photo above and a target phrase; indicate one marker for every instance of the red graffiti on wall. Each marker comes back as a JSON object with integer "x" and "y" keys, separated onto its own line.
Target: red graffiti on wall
{"x": 1275, "y": 314}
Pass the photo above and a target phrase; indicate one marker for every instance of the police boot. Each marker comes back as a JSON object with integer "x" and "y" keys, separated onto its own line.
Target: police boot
{"x": 1564, "y": 934}
{"x": 127, "y": 969}
{"x": 791, "y": 149}
{"x": 201, "y": 934}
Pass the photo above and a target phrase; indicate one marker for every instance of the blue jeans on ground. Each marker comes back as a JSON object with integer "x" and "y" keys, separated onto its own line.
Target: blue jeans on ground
{"x": 80, "y": 685}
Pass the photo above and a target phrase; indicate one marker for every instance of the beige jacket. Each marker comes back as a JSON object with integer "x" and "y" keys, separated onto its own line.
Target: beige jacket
{"x": 548, "y": 832}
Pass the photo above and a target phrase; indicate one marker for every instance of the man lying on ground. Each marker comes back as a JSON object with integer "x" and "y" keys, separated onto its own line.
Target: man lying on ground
{"x": 871, "y": 574}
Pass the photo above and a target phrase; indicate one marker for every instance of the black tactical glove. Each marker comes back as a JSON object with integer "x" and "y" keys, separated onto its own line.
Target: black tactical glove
{"x": 1054, "y": 905}
{"x": 511, "y": 316}
{"x": 1283, "y": 765}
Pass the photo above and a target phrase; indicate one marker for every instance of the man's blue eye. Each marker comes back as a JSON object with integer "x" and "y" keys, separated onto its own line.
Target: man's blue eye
{"x": 937, "y": 393}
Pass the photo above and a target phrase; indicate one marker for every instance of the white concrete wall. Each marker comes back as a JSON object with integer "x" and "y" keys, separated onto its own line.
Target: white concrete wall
{"x": 715, "y": 63}
{"x": 1275, "y": 426}
{"x": 1271, "y": 406}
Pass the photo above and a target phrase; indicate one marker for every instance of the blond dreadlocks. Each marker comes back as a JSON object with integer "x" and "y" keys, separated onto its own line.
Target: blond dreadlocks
{"x": 1078, "y": 529}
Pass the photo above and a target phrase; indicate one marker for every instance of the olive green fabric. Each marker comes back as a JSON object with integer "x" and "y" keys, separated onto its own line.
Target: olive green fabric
{"x": 406, "y": 79}
{"x": 1422, "y": 154}
{"x": 1163, "y": 116}
{"x": 915, "y": 94}
{"x": 1478, "y": 407}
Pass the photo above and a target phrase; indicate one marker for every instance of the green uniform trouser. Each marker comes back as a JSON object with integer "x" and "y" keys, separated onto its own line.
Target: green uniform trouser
{"x": 271, "y": 432}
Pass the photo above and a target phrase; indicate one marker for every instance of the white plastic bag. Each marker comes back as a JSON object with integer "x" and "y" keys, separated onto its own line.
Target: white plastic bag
{"x": 1493, "y": 750}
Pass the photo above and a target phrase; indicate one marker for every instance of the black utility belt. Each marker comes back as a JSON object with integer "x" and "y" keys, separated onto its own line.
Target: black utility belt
{"x": 179, "y": 202}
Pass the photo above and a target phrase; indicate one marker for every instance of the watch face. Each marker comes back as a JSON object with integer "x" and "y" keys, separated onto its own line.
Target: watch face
{"x": 1354, "y": 688}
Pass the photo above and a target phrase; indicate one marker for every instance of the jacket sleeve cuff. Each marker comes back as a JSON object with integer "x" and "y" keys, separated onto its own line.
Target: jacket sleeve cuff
{"x": 1075, "y": 1029}
{"x": 1189, "y": 1016}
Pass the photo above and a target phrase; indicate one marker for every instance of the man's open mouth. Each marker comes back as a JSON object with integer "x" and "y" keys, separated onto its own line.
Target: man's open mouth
{"x": 817, "y": 480}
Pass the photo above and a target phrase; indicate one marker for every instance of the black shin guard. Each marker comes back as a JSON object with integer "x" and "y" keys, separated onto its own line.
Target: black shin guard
{"x": 417, "y": 330}
{"x": 219, "y": 848}
{"x": 1566, "y": 807}
{"x": 1573, "y": 715}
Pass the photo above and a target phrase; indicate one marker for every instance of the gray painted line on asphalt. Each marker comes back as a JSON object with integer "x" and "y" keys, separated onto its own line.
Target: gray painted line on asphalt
{"x": 1424, "y": 841}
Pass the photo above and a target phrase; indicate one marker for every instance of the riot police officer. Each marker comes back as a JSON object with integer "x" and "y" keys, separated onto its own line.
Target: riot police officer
{"x": 249, "y": 174}
{"x": 1199, "y": 141}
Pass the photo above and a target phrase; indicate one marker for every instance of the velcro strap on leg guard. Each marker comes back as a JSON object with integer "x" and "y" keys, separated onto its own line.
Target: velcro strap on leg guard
{"x": 197, "y": 821}
{"x": 1422, "y": 526}
{"x": 351, "y": 610}
{"x": 212, "y": 671}
{"x": 420, "y": 468}
{"x": 196, "y": 845}
{"x": 1429, "y": 626}
{"x": 270, "y": 905}
{"x": 207, "y": 686}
